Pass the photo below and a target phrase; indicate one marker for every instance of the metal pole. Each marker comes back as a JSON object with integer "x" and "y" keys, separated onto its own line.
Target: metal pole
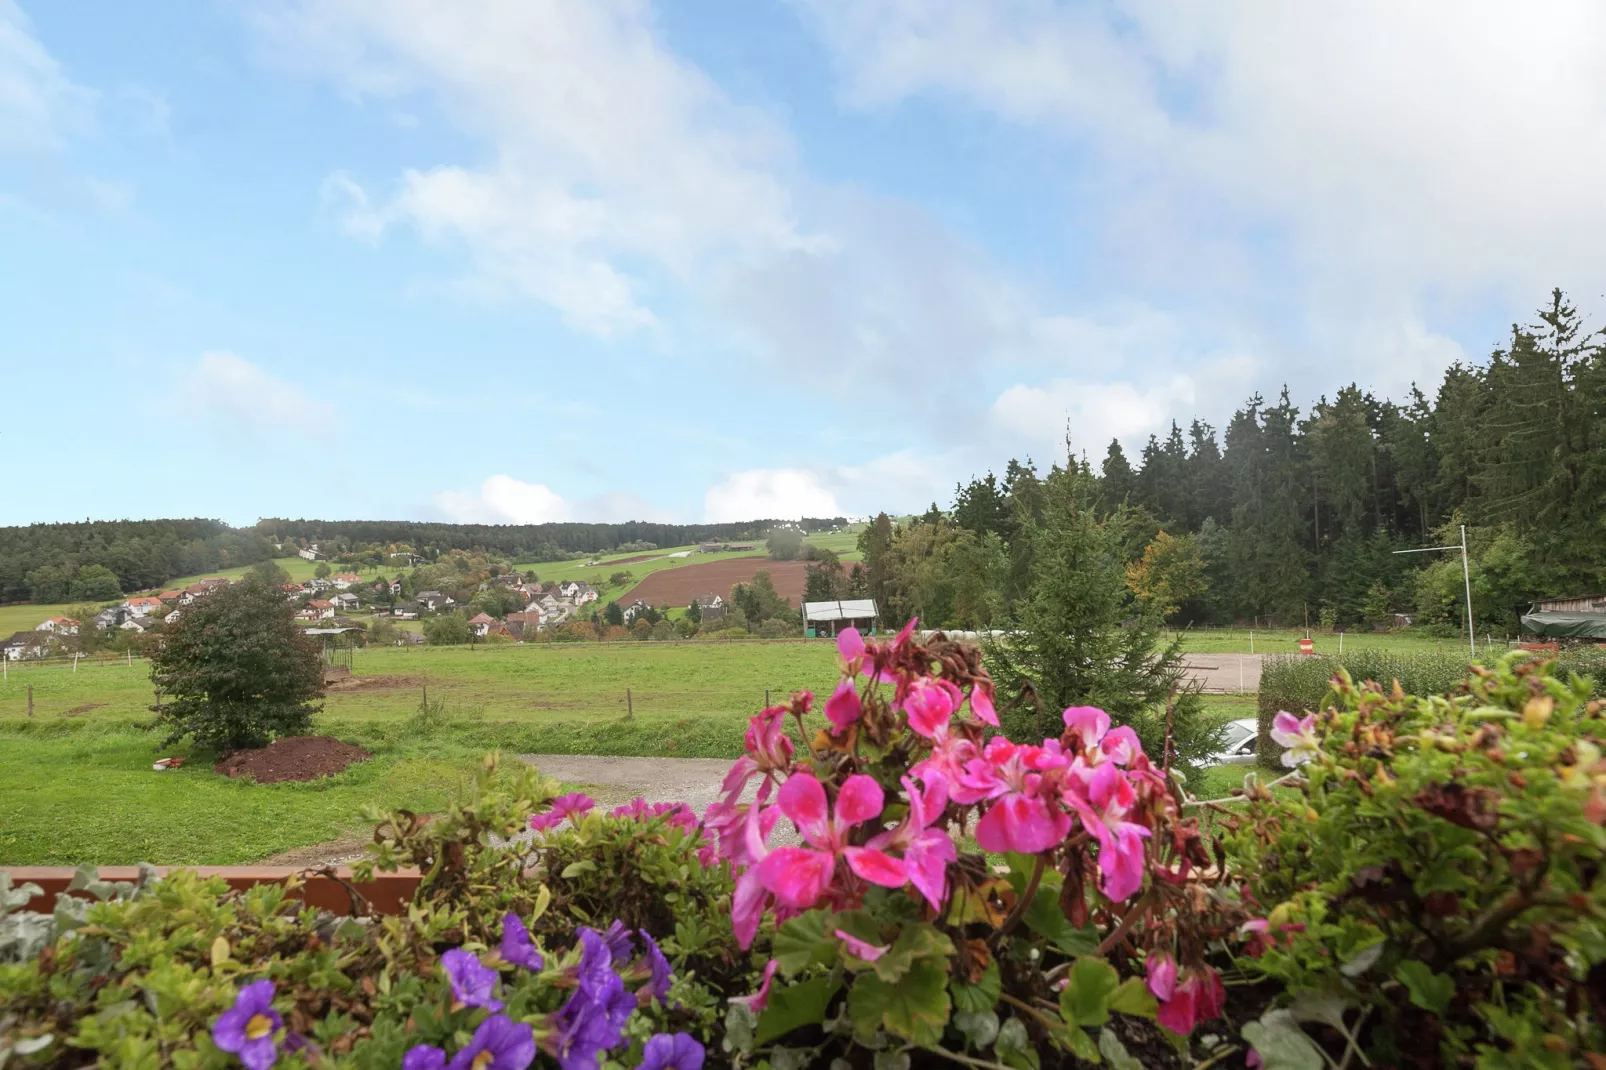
{"x": 1466, "y": 576}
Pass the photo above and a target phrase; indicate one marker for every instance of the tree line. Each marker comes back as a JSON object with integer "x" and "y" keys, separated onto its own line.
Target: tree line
{"x": 99, "y": 560}
{"x": 1295, "y": 515}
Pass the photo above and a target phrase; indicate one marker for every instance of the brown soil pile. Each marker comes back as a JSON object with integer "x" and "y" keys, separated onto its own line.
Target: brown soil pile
{"x": 292, "y": 758}
{"x": 378, "y": 683}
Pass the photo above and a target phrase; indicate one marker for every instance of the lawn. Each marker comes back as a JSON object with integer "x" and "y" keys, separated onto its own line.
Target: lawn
{"x": 1286, "y": 641}
{"x": 76, "y": 783}
{"x": 26, "y": 616}
{"x": 299, "y": 569}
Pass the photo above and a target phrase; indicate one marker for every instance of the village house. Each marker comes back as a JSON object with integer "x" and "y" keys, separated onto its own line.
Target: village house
{"x": 310, "y": 553}
{"x": 292, "y": 590}
{"x": 139, "y": 624}
{"x": 577, "y": 592}
{"x": 110, "y": 617}
{"x": 345, "y": 602}
{"x": 31, "y": 644}
{"x": 319, "y": 584}
{"x": 635, "y": 610}
{"x": 344, "y": 580}
{"x": 172, "y": 618}
{"x": 434, "y": 601}
{"x": 405, "y": 610}
{"x": 139, "y": 607}
{"x": 170, "y": 598}
{"x": 396, "y": 586}
{"x": 58, "y": 626}
{"x": 481, "y": 623}
{"x": 317, "y": 609}
{"x": 529, "y": 622}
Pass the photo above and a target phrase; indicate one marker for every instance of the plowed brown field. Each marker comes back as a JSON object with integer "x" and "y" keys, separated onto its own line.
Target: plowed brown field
{"x": 678, "y": 586}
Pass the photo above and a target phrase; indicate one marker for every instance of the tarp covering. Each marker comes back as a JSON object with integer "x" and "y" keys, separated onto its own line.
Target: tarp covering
{"x": 1565, "y": 625}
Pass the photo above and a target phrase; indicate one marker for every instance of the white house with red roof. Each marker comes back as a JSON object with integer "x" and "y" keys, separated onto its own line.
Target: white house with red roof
{"x": 344, "y": 580}
{"x": 482, "y": 623}
{"x": 58, "y": 626}
{"x": 140, "y": 607}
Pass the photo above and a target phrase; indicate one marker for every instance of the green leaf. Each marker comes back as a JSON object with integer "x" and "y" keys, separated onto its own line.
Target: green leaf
{"x": 913, "y": 943}
{"x": 1133, "y": 997}
{"x": 981, "y": 996}
{"x": 1014, "y": 1048}
{"x": 1281, "y": 1044}
{"x": 1115, "y": 1052}
{"x": 1430, "y": 991}
{"x": 980, "y": 1028}
{"x": 574, "y": 869}
{"x": 1089, "y": 987}
{"x": 805, "y": 939}
{"x": 794, "y": 1006}
{"x": 916, "y": 1008}
{"x": 1080, "y": 1044}
{"x": 1045, "y": 918}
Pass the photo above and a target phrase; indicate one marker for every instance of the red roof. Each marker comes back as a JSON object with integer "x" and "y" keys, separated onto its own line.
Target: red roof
{"x": 319, "y": 603}
{"x": 483, "y": 618}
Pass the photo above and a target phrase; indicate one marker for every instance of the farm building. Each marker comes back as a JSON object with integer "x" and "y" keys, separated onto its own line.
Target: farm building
{"x": 1575, "y": 617}
{"x": 829, "y": 618}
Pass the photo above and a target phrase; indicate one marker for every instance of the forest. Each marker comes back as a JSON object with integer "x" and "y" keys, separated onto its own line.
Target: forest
{"x": 1293, "y": 516}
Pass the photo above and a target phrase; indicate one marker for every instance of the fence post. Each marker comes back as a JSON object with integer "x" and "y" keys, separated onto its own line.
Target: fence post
{"x": 75, "y": 663}
{"x": 131, "y": 657}
{"x": 630, "y": 706}
{"x": 30, "y": 700}
{"x": 766, "y": 698}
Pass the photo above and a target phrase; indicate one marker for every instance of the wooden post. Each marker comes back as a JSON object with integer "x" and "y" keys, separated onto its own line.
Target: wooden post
{"x": 30, "y": 700}
{"x": 630, "y": 706}
{"x": 766, "y": 698}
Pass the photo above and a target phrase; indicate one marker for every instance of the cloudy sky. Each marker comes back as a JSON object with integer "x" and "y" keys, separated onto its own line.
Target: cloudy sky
{"x": 528, "y": 260}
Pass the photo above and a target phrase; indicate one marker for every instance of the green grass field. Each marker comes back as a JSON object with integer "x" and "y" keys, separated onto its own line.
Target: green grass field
{"x": 1286, "y": 641}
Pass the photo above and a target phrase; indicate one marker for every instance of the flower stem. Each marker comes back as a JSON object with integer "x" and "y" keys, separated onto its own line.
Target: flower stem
{"x": 1025, "y": 899}
{"x": 1138, "y": 909}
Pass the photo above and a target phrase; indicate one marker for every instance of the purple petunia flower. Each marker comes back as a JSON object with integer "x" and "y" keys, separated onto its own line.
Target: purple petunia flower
{"x": 472, "y": 981}
{"x": 620, "y": 946}
{"x": 247, "y": 1028}
{"x": 593, "y": 1019}
{"x": 424, "y": 1057}
{"x": 499, "y": 1043}
{"x": 672, "y": 1051}
{"x": 517, "y": 947}
{"x": 659, "y": 978}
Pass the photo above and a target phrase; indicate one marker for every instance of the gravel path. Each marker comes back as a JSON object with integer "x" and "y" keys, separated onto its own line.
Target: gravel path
{"x": 1225, "y": 674}
{"x": 612, "y": 780}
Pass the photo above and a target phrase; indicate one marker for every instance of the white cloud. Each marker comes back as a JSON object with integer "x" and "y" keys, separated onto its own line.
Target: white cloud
{"x": 769, "y": 494}
{"x": 1364, "y": 161}
{"x": 39, "y": 105}
{"x": 614, "y": 162}
{"x": 1042, "y": 418}
{"x": 502, "y": 499}
{"x": 239, "y": 395}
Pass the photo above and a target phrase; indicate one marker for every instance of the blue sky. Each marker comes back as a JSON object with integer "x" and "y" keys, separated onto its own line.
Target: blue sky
{"x": 515, "y": 261}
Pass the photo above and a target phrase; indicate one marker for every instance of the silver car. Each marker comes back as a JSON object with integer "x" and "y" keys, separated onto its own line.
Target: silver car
{"x": 1238, "y": 742}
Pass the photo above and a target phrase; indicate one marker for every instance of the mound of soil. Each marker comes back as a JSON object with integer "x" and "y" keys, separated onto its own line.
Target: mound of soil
{"x": 292, "y": 758}
{"x": 378, "y": 683}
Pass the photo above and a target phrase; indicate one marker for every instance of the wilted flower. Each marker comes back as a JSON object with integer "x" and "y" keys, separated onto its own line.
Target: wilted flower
{"x": 516, "y": 946}
{"x": 760, "y": 999}
{"x": 247, "y": 1028}
{"x": 672, "y": 1051}
{"x": 659, "y": 977}
{"x": 472, "y": 981}
{"x": 860, "y": 949}
{"x": 499, "y": 1043}
{"x": 842, "y": 708}
{"x": 1186, "y": 999}
{"x": 1298, "y": 734}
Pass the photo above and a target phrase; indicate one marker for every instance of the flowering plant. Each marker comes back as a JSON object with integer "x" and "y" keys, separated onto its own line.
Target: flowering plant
{"x": 953, "y": 889}
{"x": 1431, "y": 892}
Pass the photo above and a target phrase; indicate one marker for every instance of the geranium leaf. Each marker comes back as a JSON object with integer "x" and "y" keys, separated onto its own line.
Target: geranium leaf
{"x": 1133, "y": 997}
{"x": 807, "y": 938}
{"x": 981, "y": 996}
{"x": 915, "y": 1008}
{"x": 1281, "y": 1044}
{"x": 1089, "y": 987}
{"x": 914, "y": 942}
{"x": 793, "y": 1006}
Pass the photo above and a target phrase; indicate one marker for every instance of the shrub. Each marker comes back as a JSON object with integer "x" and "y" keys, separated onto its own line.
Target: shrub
{"x": 171, "y": 972}
{"x": 1435, "y": 890}
{"x": 1300, "y": 682}
{"x": 777, "y": 629}
{"x": 235, "y": 670}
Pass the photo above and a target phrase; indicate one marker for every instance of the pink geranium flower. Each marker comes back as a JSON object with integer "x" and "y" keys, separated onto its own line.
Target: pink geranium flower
{"x": 860, "y": 949}
{"x": 842, "y": 708}
{"x": 1089, "y": 722}
{"x": 1025, "y": 816}
{"x": 850, "y": 644}
{"x": 799, "y": 876}
{"x": 1103, "y": 811}
{"x": 747, "y": 850}
{"x": 760, "y": 999}
{"x": 1298, "y": 734}
{"x": 981, "y": 703}
{"x": 930, "y": 704}
{"x": 1186, "y": 998}
{"x": 926, "y": 851}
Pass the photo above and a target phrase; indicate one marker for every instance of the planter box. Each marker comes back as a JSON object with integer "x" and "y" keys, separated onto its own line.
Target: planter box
{"x": 387, "y": 893}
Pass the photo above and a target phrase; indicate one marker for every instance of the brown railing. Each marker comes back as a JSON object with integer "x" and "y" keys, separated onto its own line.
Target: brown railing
{"x": 328, "y": 889}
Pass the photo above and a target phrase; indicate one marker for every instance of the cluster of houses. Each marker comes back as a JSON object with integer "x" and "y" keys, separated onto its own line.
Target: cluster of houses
{"x": 325, "y": 599}
{"x": 546, "y": 606}
{"x": 139, "y": 615}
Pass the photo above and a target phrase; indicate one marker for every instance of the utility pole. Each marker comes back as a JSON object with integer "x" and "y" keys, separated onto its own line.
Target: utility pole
{"x": 1466, "y": 579}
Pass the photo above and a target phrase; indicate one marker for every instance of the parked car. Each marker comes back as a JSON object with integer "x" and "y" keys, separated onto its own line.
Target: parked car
{"x": 1238, "y": 743}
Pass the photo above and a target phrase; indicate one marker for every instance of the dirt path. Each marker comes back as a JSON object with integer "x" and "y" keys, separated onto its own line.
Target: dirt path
{"x": 1225, "y": 674}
